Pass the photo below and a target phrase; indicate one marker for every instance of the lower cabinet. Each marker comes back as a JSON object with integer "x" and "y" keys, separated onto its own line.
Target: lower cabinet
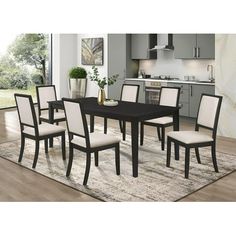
{"x": 141, "y": 97}
{"x": 195, "y": 96}
{"x": 190, "y": 95}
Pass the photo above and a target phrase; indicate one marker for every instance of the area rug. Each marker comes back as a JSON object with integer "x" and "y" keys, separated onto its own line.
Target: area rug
{"x": 155, "y": 182}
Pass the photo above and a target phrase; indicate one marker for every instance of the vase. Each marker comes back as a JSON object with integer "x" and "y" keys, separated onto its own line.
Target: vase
{"x": 77, "y": 87}
{"x": 101, "y": 96}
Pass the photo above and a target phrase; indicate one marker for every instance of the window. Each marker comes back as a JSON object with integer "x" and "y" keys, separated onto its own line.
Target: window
{"x": 24, "y": 63}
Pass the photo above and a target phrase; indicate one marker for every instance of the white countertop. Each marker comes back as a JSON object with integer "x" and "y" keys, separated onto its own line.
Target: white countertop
{"x": 172, "y": 81}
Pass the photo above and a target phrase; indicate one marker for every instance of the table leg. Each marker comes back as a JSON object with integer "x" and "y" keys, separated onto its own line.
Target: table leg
{"x": 176, "y": 121}
{"x": 50, "y": 117}
{"x": 134, "y": 143}
{"x": 91, "y": 123}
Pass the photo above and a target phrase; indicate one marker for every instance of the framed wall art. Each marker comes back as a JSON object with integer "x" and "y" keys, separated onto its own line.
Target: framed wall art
{"x": 92, "y": 51}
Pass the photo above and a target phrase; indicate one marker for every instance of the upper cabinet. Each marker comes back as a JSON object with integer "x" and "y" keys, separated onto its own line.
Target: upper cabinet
{"x": 141, "y": 45}
{"x": 194, "y": 46}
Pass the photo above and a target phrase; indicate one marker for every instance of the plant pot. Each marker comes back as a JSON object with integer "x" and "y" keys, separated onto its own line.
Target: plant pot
{"x": 77, "y": 87}
{"x": 101, "y": 96}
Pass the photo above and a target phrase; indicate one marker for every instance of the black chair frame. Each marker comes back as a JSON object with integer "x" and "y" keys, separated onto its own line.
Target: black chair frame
{"x": 160, "y": 127}
{"x": 122, "y": 123}
{"x": 196, "y": 146}
{"x": 88, "y": 149}
{"x": 36, "y": 137}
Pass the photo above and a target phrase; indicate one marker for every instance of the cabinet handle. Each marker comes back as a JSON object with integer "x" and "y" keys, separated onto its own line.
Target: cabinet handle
{"x": 198, "y": 52}
{"x": 124, "y": 73}
{"x": 191, "y": 90}
{"x": 194, "y": 52}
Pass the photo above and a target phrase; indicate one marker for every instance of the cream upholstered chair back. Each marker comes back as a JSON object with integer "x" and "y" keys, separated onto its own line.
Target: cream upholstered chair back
{"x": 76, "y": 120}
{"x": 129, "y": 93}
{"x": 45, "y": 94}
{"x": 209, "y": 109}
{"x": 25, "y": 109}
{"x": 169, "y": 96}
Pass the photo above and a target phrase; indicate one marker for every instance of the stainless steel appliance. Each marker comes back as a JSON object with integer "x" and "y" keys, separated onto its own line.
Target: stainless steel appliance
{"x": 152, "y": 91}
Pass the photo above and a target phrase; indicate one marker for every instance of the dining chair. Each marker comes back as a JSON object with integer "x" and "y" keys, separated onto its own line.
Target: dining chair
{"x": 32, "y": 130}
{"x": 207, "y": 118}
{"x": 81, "y": 139}
{"x": 129, "y": 93}
{"x": 169, "y": 96}
{"x": 46, "y": 93}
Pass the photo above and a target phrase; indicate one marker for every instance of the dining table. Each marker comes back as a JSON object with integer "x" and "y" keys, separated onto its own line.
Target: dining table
{"x": 125, "y": 111}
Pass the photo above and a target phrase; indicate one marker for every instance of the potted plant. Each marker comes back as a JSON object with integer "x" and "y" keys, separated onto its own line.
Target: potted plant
{"x": 102, "y": 82}
{"x": 77, "y": 82}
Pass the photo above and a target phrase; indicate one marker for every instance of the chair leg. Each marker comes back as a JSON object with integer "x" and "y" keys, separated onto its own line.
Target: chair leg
{"x": 22, "y": 148}
{"x": 121, "y": 126}
{"x": 141, "y": 133}
{"x": 124, "y": 130}
{"x": 105, "y": 125}
{"x": 88, "y": 163}
{"x": 163, "y": 138}
{"x": 159, "y": 133}
{"x": 213, "y": 153}
{"x": 197, "y": 155}
{"x": 46, "y": 145}
{"x": 168, "y": 152}
{"x": 96, "y": 158}
{"x": 117, "y": 158}
{"x": 63, "y": 146}
{"x": 36, "y": 154}
{"x": 176, "y": 152}
{"x": 71, "y": 155}
{"x": 187, "y": 153}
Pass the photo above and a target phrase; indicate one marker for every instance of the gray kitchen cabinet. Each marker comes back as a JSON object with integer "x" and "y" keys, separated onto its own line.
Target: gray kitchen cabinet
{"x": 194, "y": 46}
{"x": 183, "y": 99}
{"x": 120, "y": 62}
{"x": 141, "y": 45}
{"x": 195, "y": 92}
{"x": 141, "y": 96}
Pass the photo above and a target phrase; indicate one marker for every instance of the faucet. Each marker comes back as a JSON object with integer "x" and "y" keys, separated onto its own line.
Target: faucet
{"x": 210, "y": 68}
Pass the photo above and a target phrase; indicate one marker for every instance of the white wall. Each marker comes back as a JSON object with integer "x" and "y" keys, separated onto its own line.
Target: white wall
{"x": 64, "y": 57}
{"x": 92, "y": 88}
{"x": 226, "y": 82}
{"x": 166, "y": 64}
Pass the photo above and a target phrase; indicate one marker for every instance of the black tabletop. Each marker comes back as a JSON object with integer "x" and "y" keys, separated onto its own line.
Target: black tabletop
{"x": 128, "y": 111}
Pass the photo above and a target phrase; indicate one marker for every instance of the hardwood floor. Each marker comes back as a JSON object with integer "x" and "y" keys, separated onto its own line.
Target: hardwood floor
{"x": 20, "y": 184}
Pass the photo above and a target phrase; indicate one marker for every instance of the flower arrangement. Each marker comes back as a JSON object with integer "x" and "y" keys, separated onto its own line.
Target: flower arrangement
{"x": 102, "y": 82}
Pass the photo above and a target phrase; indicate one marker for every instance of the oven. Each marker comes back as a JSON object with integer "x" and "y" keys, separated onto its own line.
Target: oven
{"x": 152, "y": 91}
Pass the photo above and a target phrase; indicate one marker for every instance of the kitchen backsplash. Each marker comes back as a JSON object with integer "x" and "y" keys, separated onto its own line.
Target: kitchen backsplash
{"x": 166, "y": 64}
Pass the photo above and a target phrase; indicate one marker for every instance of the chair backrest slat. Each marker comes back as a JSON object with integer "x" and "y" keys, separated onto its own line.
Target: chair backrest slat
{"x": 44, "y": 95}
{"x": 208, "y": 112}
{"x": 129, "y": 92}
{"x": 76, "y": 120}
{"x": 26, "y": 111}
{"x": 169, "y": 96}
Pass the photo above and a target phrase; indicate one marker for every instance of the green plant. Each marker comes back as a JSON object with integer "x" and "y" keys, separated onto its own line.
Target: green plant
{"x": 101, "y": 82}
{"x": 77, "y": 73}
{"x": 4, "y": 83}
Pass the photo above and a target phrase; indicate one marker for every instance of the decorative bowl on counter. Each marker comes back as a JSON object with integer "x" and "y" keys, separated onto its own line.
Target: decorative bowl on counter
{"x": 110, "y": 103}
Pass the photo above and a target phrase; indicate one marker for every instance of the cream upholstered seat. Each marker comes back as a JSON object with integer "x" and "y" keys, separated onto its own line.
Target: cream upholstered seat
{"x": 57, "y": 116}
{"x": 30, "y": 128}
{"x": 44, "y": 129}
{"x": 208, "y": 116}
{"x": 169, "y": 96}
{"x": 79, "y": 138}
{"x": 190, "y": 137}
{"x": 96, "y": 140}
{"x": 162, "y": 120}
{"x": 129, "y": 93}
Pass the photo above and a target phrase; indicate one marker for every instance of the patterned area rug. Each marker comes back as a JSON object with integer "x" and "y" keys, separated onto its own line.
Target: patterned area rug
{"x": 156, "y": 182}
